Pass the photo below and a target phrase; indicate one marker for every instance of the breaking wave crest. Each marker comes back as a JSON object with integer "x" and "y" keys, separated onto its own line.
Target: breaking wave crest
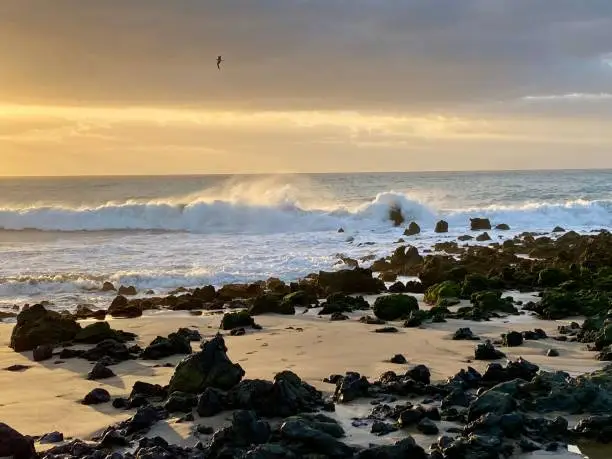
{"x": 282, "y": 214}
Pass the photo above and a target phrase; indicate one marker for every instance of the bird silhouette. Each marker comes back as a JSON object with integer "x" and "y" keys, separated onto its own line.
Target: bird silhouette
{"x": 219, "y": 60}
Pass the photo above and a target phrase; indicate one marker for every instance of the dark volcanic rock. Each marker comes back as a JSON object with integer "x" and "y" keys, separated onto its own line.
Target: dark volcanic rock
{"x": 122, "y": 307}
{"x": 339, "y": 302}
{"x": 441, "y": 227}
{"x": 208, "y": 368}
{"x": 100, "y": 371}
{"x": 99, "y": 331}
{"x": 108, "y": 287}
{"x": 318, "y": 441}
{"x": 116, "y": 351}
{"x": 165, "y": 347}
{"x": 271, "y": 303}
{"x": 51, "y": 437}
{"x": 399, "y": 359}
{"x": 406, "y": 448}
{"x": 96, "y": 397}
{"x": 395, "y": 306}
{"x": 189, "y": 334}
{"x": 512, "y": 339}
{"x": 552, "y": 353}
{"x": 236, "y": 320}
{"x": 483, "y": 237}
{"x": 464, "y": 334}
{"x": 351, "y": 387}
{"x": 287, "y": 395}
{"x": 427, "y": 426}
{"x": 210, "y": 402}
{"x": 502, "y": 227}
{"x": 180, "y": 401}
{"x": 13, "y": 444}
{"x": 397, "y": 287}
{"x": 36, "y": 326}
{"x": 395, "y": 215}
{"x": 480, "y": 224}
{"x": 43, "y": 352}
{"x": 486, "y": 351}
{"x": 349, "y": 281}
{"x": 420, "y": 373}
{"x": 491, "y": 401}
{"x": 127, "y": 290}
{"x": 413, "y": 229}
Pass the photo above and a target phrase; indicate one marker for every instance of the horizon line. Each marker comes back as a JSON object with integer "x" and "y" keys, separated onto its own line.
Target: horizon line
{"x": 463, "y": 171}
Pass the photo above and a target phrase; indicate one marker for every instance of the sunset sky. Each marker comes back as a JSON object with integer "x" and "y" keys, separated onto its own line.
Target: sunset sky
{"x": 131, "y": 86}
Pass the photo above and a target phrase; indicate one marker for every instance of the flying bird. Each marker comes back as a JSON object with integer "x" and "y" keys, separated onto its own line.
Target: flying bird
{"x": 219, "y": 60}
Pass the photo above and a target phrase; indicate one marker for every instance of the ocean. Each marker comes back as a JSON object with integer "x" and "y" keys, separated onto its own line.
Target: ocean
{"x": 61, "y": 238}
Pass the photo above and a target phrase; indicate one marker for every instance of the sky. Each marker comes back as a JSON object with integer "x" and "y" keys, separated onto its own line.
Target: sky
{"x": 131, "y": 86}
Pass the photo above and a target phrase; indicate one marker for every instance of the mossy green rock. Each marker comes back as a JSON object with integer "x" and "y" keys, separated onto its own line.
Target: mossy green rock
{"x": 36, "y": 326}
{"x": 238, "y": 319}
{"x": 477, "y": 283}
{"x": 300, "y": 298}
{"x": 446, "y": 289}
{"x": 492, "y": 301}
{"x": 396, "y": 306}
{"x": 552, "y": 277}
{"x": 210, "y": 367}
{"x": 270, "y": 303}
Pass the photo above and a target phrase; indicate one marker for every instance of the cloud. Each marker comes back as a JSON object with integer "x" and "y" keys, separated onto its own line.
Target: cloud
{"x": 302, "y": 54}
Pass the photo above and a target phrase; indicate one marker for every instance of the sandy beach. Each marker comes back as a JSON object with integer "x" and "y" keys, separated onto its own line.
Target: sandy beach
{"x": 45, "y": 397}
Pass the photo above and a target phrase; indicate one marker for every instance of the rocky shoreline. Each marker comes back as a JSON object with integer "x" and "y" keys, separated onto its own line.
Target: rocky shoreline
{"x": 509, "y": 407}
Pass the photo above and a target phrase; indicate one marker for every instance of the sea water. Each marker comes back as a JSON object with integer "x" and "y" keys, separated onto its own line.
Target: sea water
{"x": 61, "y": 238}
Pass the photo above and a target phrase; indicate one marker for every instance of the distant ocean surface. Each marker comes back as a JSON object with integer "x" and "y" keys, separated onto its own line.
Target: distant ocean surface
{"x": 61, "y": 238}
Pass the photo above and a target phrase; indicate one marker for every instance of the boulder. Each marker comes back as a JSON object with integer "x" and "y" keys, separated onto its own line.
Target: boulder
{"x": 441, "y": 227}
{"x": 349, "y": 281}
{"x": 208, "y": 368}
{"x": 412, "y": 230}
{"x": 51, "y": 437}
{"x": 122, "y": 307}
{"x": 301, "y": 298}
{"x": 552, "y": 277}
{"x": 395, "y": 306}
{"x": 483, "y": 237}
{"x": 100, "y": 371}
{"x": 189, "y": 334}
{"x": 271, "y": 303}
{"x": 397, "y": 287}
{"x": 502, "y": 227}
{"x": 43, "y": 352}
{"x": 116, "y": 351}
{"x": 180, "y": 402}
{"x": 512, "y": 339}
{"x": 419, "y": 373}
{"x": 100, "y": 331}
{"x": 286, "y": 396}
{"x": 108, "y": 287}
{"x": 465, "y": 334}
{"x": 427, "y": 427}
{"x": 96, "y": 396}
{"x": 83, "y": 311}
{"x": 398, "y": 359}
{"x": 127, "y": 291}
{"x": 351, "y": 387}
{"x": 36, "y": 326}
{"x": 165, "y": 347}
{"x": 238, "y": 319}
{"x": 15, "y": 445}
{"x": 395, "y": 215}
{"x": 486, "y": 351}
{"x": 339, "y": 302}
{"x": 491, "y": 401}
{"x": 480, "y": 224}
{"x": 446, "y": 289}
{"x": 318, "y": 441}
{"x": 230, "y": 292}
{"x": 210, "y": 402}
{"x": 405, "y": 448}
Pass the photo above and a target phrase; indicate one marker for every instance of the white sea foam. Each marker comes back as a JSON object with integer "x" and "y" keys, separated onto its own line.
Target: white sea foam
{"x": 277, "y": 212}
